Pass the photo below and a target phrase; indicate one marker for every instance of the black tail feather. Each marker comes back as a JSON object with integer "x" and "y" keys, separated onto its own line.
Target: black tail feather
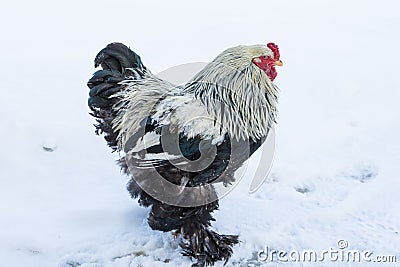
{"x": 119, "y": 57}
{"x": 115, "y": 59}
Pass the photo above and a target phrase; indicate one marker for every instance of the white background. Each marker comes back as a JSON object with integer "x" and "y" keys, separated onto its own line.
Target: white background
{"x": 337, "y": 133}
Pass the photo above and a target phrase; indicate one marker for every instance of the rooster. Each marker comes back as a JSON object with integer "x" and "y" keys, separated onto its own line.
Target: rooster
{"x": 177, "y": 142}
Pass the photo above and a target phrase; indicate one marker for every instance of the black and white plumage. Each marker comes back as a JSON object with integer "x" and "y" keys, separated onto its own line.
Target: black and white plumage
{"x": 225, "y": 111}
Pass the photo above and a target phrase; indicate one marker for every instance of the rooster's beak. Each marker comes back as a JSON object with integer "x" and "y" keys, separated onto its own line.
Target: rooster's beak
{"x": 279, "y": 63}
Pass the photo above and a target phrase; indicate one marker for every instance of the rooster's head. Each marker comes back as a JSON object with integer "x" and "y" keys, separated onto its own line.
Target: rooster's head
{"x": 268, "y": 60}
{"x": 250, "y": 58}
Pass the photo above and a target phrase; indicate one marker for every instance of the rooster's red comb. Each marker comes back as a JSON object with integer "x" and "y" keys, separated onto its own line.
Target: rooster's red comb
{"x": 275, "y": 50}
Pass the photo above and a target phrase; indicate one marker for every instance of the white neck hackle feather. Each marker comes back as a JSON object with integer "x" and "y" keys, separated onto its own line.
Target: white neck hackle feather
{"x": 238, "y": 95}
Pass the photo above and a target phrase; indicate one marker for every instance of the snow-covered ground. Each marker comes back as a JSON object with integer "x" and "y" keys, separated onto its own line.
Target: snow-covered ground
{"x": 336, "y": 171}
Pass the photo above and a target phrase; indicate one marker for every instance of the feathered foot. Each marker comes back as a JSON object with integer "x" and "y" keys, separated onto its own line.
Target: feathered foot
{"x": 208, "y": 247}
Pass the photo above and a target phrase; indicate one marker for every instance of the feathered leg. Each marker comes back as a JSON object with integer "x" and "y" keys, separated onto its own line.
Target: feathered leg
{"x": 193, "y": 223}
{"x": 205, "y": 245}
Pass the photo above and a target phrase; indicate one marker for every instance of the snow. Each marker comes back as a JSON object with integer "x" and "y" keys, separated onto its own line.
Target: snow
{"x": 335, "y": 174}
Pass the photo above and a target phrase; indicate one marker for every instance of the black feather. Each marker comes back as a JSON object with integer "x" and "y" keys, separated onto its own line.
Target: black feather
{"x": 99, "y": 89}
{"x": 118, "y": 56}
{"x": 114, "y": 59}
